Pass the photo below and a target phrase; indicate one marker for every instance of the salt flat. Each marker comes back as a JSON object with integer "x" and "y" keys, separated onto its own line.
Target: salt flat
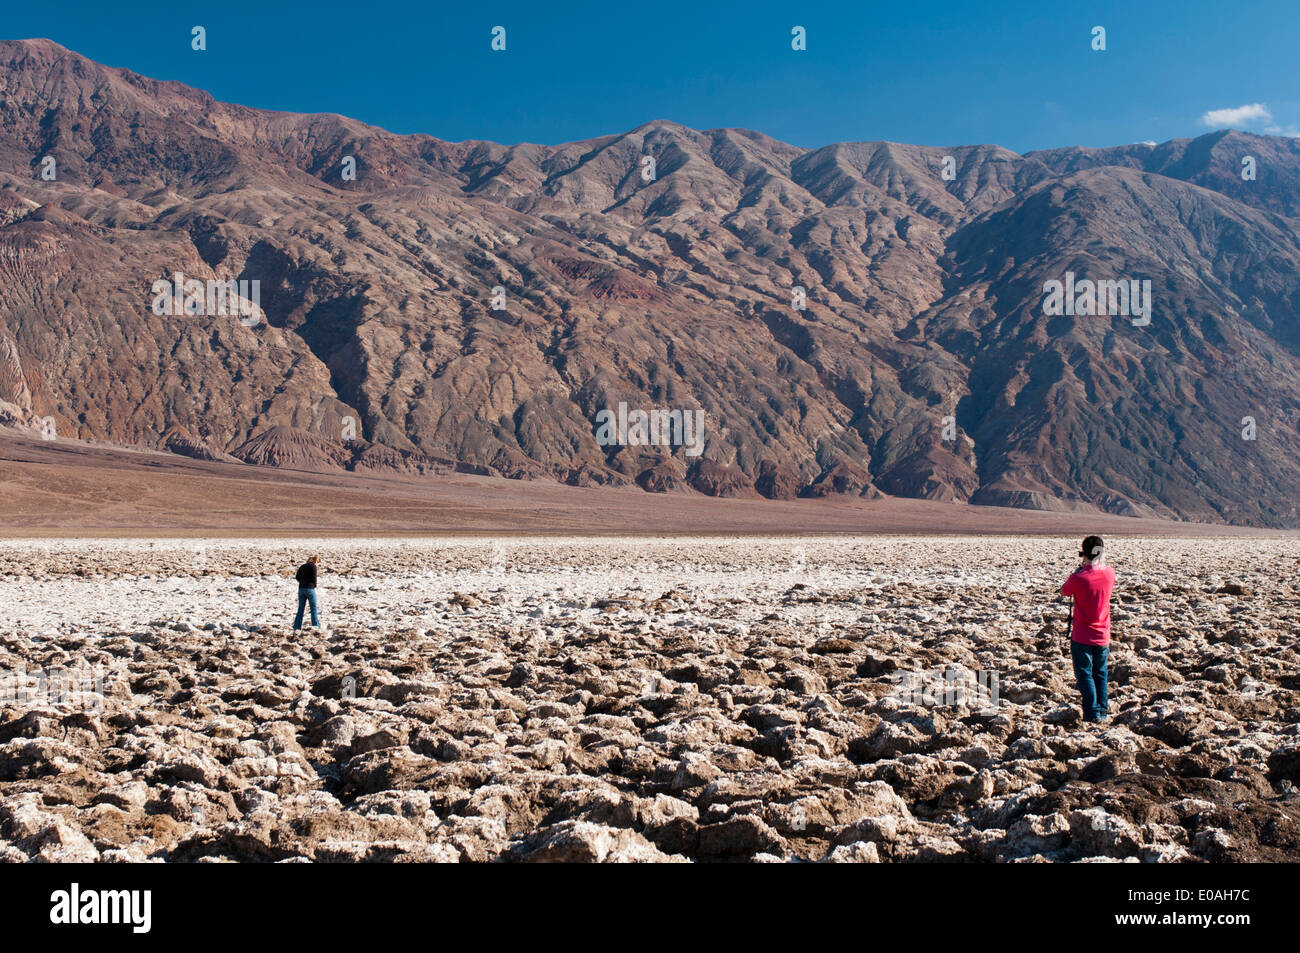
{"x": 850, "y": 698}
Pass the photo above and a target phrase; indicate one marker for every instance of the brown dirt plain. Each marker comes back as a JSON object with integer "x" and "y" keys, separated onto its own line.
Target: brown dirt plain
{"x": 72, "y": 488}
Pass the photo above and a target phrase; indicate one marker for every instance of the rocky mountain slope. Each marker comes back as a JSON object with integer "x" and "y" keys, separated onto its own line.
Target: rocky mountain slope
{"x": 922, "y": 364}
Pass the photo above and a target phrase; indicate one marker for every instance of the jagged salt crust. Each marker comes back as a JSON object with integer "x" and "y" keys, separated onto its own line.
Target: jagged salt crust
{"x": 642, "y": 700}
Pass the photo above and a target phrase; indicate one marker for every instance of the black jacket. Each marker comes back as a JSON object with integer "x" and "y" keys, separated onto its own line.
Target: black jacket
{"x": 307, "y": 576}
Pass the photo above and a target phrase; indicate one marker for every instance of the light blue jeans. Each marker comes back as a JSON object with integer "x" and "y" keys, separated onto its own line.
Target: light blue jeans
{"x": 306, "y": 596}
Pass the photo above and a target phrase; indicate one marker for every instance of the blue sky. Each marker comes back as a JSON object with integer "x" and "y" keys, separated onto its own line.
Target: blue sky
{"x": 1019, "y": 74}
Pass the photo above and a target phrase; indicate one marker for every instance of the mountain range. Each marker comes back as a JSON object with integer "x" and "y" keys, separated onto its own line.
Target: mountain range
{"x": 862, "y": 319}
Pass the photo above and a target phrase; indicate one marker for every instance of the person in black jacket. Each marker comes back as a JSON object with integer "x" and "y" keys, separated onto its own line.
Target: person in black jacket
{"x": 307, "y": 592}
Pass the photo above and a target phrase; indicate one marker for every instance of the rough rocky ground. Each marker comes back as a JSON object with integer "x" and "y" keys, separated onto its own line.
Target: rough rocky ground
{"x": 620, "y": 700}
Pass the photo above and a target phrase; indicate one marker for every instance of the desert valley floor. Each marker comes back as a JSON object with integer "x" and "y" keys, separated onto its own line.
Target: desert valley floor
{"x": 662, "y": 699}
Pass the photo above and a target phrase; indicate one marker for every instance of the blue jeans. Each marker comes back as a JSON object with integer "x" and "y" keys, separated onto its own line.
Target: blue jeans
{"x": 306, "y": 596}
{"x": 1090, "y": 671}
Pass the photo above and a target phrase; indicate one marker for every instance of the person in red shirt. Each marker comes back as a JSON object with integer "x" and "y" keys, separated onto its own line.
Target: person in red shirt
{"x": 1090, "y": 586}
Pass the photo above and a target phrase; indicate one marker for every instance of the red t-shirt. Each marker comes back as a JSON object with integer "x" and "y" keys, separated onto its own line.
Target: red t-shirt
{"x": 1091, "y": 590}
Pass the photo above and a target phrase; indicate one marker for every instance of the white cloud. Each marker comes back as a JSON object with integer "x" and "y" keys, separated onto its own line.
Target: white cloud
{"x": 1236, "y": 116}
{"x": 1291, "y": 132}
